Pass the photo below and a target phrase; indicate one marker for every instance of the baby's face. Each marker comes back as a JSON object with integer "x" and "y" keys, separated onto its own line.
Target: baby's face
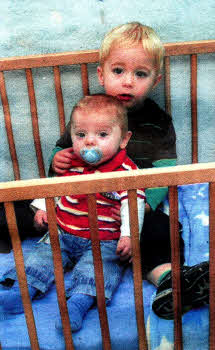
{"x": 129, "y": 74}
{"x": 96, "y": 131}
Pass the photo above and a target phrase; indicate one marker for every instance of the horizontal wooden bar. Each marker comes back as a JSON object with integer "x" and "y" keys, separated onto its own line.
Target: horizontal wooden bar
{"x": 106, "y": 182}
{"x": 49, "y": 60}
{"x": 92, "y": 56}
{"x": 189, "y": 47}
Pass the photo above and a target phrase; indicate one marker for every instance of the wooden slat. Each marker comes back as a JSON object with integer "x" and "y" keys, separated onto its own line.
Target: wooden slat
{"x": 8, "y": 126}
{"x": 59, "y": 96}
{"x": 99, "y": 277}
{"x": 138, "y": 291}
{"x": 84, "y": 79}
{"x": 212, "y": 265}
{"x": 19, "y": 261}
{"x": 35, "y": 125}
{"x": 107, "y": 182}
{"x": 49, "y": 60}
{"x": 193, "y": 62}
{"x": 58, "y": 269}
{"x": 175, "y": 260}
{"x": 167, "y": 85}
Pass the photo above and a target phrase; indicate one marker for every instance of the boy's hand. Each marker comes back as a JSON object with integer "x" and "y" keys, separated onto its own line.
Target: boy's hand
{"x": 62, "y": 161}
{"x": 124, "y": 248}
{"x": 40, "y": 219}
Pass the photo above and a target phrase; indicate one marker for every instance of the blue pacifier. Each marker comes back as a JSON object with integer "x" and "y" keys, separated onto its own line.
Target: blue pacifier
{"x": 92, "y": 155}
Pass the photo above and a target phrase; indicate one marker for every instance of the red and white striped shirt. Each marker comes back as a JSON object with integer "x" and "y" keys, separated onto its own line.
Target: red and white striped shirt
{"x": 72, "y": 210}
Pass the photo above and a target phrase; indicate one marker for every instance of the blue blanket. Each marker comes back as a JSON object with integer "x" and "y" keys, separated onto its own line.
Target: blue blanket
{"x": 121, "y": 317}
{"x": 193, "y": 212}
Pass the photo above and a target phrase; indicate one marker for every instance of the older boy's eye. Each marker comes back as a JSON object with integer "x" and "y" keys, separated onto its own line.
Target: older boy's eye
{"x": 81, "y": 134}
{"x": 141, "y": 74}
{"x": 103, "y": 134}
{"x": 117, "y": 70}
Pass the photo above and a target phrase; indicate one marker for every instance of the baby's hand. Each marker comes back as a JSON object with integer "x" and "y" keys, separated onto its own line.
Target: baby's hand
{"x": 124, "y": 248}
{"x": 40, "y": 219}
{"x": 62, "y": 161}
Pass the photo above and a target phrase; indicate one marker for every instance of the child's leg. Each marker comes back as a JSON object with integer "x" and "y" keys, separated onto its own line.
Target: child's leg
{"x": 156, "y": 264}
{"x": 83, "y": 288}
{"x": 26, "y": 227}
{"x": 40, "y": 276}
{"x": 78, "y": 306}
{"x": 11, "y": 299}
{"x": 194, "y": 290}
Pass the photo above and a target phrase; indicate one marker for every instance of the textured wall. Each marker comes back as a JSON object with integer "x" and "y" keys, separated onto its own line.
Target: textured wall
{"x": 34, "y": 27}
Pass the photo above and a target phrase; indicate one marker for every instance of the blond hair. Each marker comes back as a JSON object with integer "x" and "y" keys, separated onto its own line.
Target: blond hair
{"x": 102, "y": 102}
{"x": 131, "y": 34}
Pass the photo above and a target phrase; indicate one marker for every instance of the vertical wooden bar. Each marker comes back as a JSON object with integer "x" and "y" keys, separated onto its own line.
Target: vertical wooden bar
{"x": 8, "y": 126}
{"x": 84, "y": 79}
{"x": 20, "y": 269}
{"x": 34, "y": 119}
{"x": 175, "y": 259}
{"x": 193, "y": 62}
{"x": 59, "y": 274}
{"x": 167, "y": 85}
{"x": 59, "y": 96}
{"x": 137, "y": 273}
{"x": 212, "y": 265}
{"x": 99, "y": 276}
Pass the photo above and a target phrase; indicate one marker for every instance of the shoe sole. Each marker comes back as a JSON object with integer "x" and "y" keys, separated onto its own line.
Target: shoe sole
{"x": 195, "y": 296}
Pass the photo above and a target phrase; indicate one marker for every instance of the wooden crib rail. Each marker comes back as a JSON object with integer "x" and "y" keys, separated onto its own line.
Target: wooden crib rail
{"x": 91, "y": 184}
{"x": 83, "y": 58}
{"x": 92, "y": 56}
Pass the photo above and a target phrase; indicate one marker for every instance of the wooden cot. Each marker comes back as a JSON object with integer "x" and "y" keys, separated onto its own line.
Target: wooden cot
{"x": 91, "y": 184}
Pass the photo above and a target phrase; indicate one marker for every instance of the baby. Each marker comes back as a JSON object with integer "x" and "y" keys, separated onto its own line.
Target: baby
{"x": 99, "y": 134}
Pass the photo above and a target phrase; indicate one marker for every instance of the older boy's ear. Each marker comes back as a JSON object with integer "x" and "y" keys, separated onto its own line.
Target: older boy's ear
{"x": 100, "y": 75}
{"x": 125, "y": 140}
{"x": 157, "y": 80}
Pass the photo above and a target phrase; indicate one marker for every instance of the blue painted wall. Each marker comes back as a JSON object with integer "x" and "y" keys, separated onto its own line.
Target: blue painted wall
{"x": 34, "y": 27}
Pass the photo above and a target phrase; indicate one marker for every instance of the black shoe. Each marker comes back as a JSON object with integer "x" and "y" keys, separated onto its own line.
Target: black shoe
{"x": 194, "y": 291}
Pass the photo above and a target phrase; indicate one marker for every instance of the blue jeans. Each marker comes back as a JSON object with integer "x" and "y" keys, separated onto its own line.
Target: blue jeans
{"x": 40, "y": 269}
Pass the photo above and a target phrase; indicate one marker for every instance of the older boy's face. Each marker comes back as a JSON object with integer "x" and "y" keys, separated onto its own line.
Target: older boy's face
{"x": 128, "y": 74}
{"x": 97, "y": 130}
